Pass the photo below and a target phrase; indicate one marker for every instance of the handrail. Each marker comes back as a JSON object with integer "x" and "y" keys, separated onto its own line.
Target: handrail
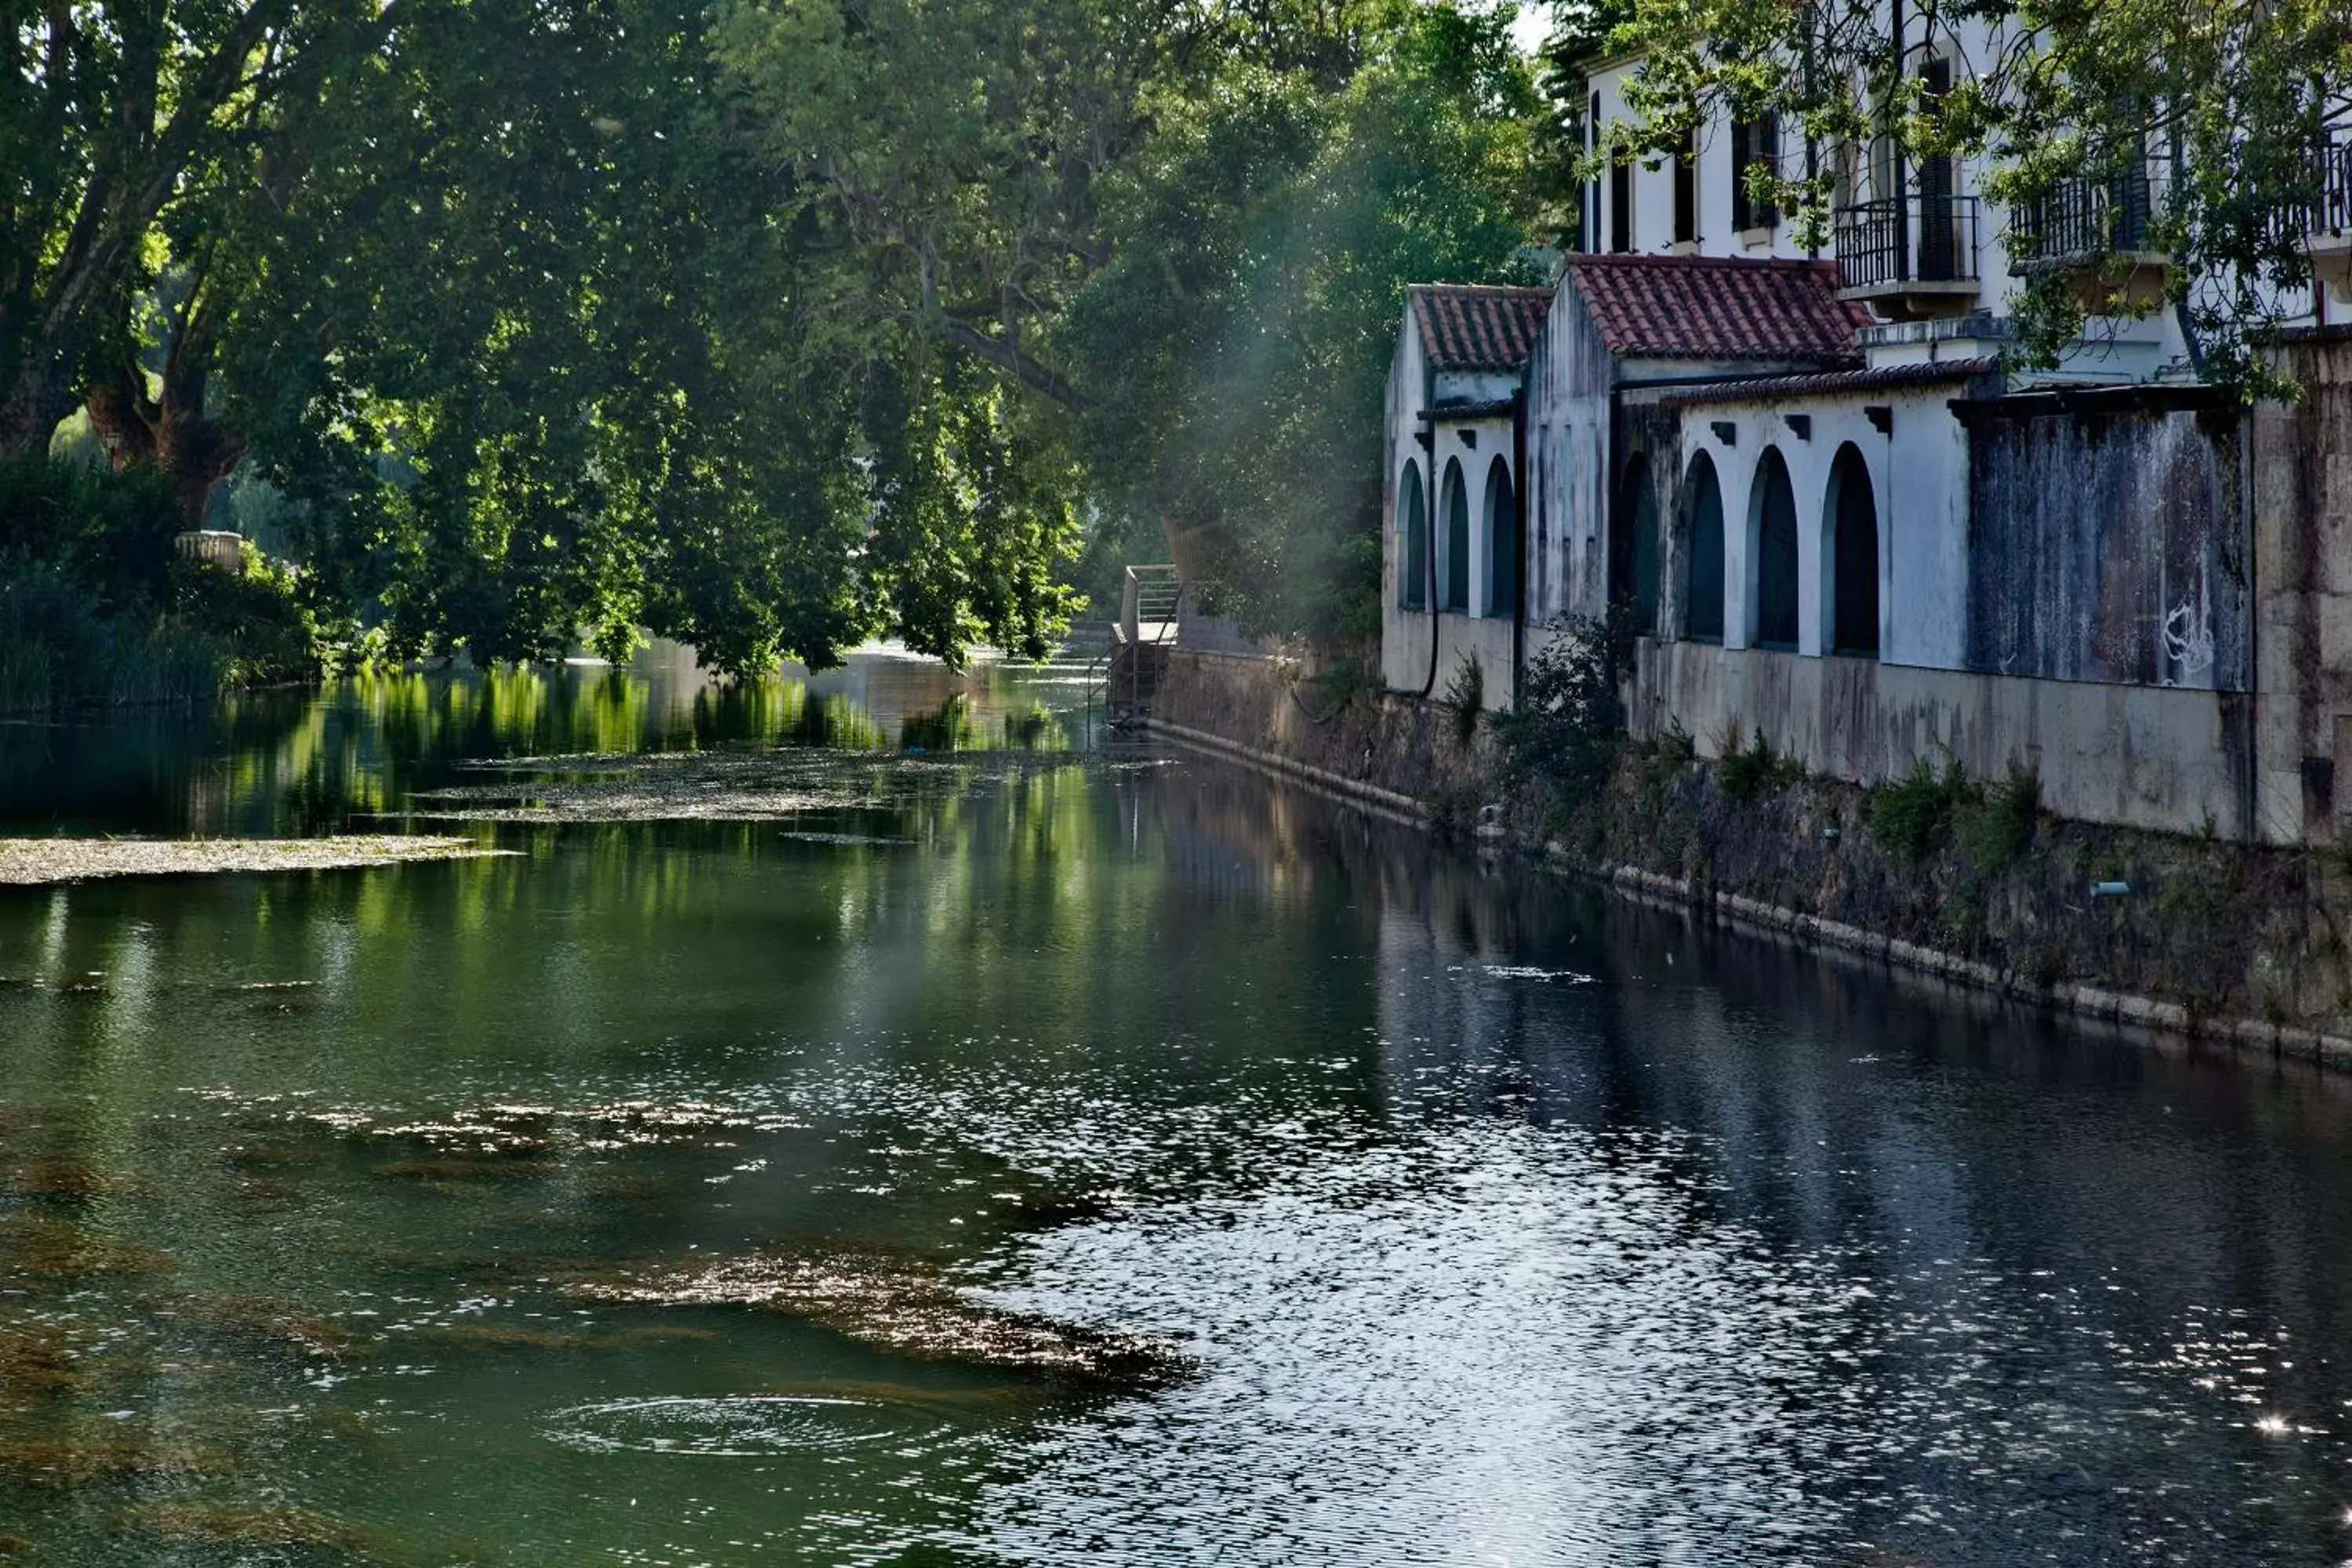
{"x": 1907, "y": 240}
{"x": 2078, "y": 219}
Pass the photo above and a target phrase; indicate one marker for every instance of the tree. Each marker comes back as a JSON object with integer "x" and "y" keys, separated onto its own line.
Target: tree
{"x": 113, "y": 118}
{"x": 2228, "y": 100}
{"x": 1234, "y": 350}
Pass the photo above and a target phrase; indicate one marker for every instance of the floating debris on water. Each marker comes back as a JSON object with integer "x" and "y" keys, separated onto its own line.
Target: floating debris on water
{"x": 32, "y": 862}
{"x": 1530, "y": 971}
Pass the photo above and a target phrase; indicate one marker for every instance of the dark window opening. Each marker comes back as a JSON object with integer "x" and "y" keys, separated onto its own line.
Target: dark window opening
{"x": 1703, "y": 554}
{"x": 1501, "y": 541}
{"x": 1633, "y": 547}
{"x": 1687, "y": 190}
{"x": 1413, "y": 528}
{"x": 1621, "y": 206}
{"x": 1775, "y": 554}
{"x": 1754, "y": 142}
{"x": 1456, "y": 598}
{"x": 1854, "y": 542}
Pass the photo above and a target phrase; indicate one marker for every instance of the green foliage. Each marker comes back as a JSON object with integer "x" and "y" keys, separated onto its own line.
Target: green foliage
{"x": 2001, "y": 829}
{"x": 96, "y": 607}
{"x": 1744, "y": 771}
{"x": 1911, "y": 817}
{"x": 1569, "y": 726}
{"x": 2227, "y": 97}
{"x": 1233, "y": 350}
{"x": 1465, "y": 697}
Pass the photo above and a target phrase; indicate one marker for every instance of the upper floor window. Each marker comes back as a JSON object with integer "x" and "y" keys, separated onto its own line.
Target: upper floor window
{"x": 1754, "y": 141}
{"x": 1686, "y": 189}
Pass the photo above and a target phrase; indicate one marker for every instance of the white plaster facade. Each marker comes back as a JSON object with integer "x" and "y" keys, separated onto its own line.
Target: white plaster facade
{"x": 2056, "y": 653}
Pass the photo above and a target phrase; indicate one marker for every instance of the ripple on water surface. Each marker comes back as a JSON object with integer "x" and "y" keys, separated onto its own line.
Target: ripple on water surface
{"x": 727, "y": 1426}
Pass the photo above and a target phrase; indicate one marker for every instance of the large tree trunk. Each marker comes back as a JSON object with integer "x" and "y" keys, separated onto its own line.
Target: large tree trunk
{"x": 168, "y": 427}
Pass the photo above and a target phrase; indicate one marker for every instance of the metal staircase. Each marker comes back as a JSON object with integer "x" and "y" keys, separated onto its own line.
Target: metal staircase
{"x": 1152, "y": 602}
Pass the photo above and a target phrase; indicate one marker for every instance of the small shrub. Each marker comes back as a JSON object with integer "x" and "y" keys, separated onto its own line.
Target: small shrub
{"x": 1744, "y": 770}
{"x": 2002, "y": 830}
{"x": 1911, "y": 817}
{"x": 1568, "y": 723}
{"x": 1465, "y": 697}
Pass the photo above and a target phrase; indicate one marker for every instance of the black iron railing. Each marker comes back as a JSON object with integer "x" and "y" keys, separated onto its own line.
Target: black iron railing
{"x": 2334, "y": 213}
{"x": 1911, "y": 239}
{"x": 2081, "y": 218}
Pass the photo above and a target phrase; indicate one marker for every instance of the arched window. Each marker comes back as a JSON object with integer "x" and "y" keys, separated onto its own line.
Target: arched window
{"x": 1501, "y": 541}
{"x": 1703, "y": 552}
{"x": 1772, "y": 517}
{"x": 1634, "y": 545}
{"x": 1455, "y": 591}
{"x": 1412, "y": 540}
{"x": 1850, "y": 527}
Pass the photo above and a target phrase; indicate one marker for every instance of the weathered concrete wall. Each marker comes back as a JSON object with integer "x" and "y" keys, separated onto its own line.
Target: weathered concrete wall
{"x": 2135, "y": 756}
{"x": 2300, "y": 460}
{"x": 2106, "y": 540}
{"x": 1570, "y": 375}
{"x": 1393, "y": 743}
{"x": 1405, "y": 655}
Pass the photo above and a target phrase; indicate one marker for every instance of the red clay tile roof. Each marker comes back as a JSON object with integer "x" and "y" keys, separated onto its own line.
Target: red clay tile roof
{"x": 1771, "y": 388}
{"x": 1718, "y": 307}
{"x": 1474, "y": 326}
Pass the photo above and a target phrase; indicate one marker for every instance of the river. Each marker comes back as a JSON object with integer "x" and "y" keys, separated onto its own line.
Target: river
{"x": 880, "y": 1119}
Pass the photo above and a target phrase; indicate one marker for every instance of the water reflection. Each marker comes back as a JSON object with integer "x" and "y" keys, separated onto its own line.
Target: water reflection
{"x": 1044, "y": 1154}
{"x": 300, "y": 762}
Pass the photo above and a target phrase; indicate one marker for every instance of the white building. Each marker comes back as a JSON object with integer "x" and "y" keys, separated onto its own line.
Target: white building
{"x": 1834, "y": 518}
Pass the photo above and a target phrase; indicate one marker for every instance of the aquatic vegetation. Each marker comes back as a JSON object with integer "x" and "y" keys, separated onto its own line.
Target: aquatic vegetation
{"x": 54, "y": 1248}
{"x": 455, "y": 1172}
{"x": 900, "y": 1305}
{"x": 248, "y": 1525}
{"x": 37, "y": 1362}
{"x": 75, "y": 1459}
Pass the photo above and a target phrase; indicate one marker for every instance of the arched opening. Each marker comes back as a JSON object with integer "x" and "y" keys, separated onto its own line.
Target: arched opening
{"x": 1501, "y": 541}
{"x": 1412, "y": 540}
{"x": 1772, "y": 517}
{"x": 1634, "y": 545}
{"x": 1454, "y": 562}
{"x": 1850, "y": 519}
{"x": 1703, "y": 552}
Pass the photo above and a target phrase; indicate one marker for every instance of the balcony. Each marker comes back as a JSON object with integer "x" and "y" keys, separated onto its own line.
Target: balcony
{"x": 2328, "y": 237}
{"x": 1909, "y": 257}
{"x": 2094, "y": 233}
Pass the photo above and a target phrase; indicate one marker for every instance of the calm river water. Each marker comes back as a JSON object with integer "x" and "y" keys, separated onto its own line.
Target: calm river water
{"x": 868, "y": 1122}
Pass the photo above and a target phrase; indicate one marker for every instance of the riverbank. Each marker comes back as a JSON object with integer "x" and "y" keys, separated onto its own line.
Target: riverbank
{"x": 38, "y": 862}
{"x": 1966, "y": 879}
